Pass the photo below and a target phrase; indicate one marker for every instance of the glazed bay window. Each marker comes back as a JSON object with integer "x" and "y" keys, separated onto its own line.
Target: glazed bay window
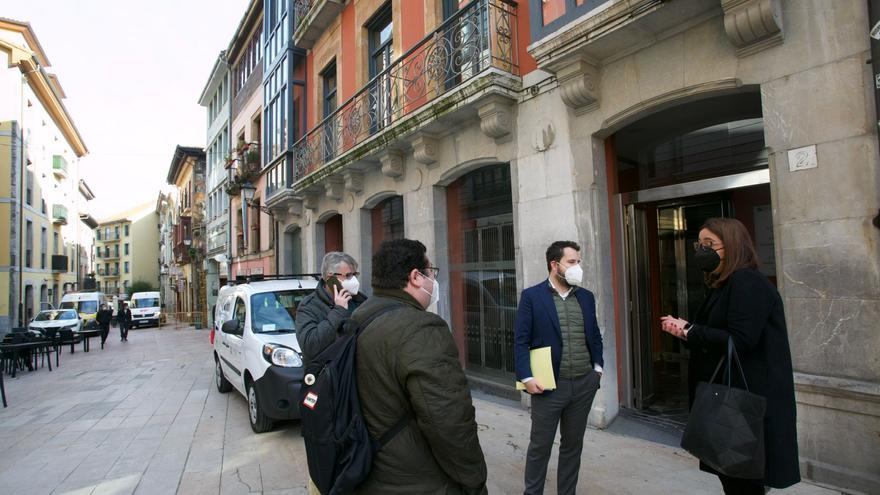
{"x": 328, "y": 78}
{"x": 275, "y": 113}
{"x": 381, "y": 54}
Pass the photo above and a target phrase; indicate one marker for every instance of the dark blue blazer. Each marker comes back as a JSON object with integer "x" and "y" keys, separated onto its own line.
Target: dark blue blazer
{"x": 537, "y": 325}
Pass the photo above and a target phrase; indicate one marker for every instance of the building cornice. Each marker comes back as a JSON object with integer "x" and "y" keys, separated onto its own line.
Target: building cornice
{"x": 42, "y": 86}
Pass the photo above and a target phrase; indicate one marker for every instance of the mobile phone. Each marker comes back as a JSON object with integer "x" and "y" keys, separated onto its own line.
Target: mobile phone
{"x": 334, "y": 282}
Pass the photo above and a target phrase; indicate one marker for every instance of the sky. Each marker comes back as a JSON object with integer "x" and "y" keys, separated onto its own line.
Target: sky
{"x": 133, "y": 73}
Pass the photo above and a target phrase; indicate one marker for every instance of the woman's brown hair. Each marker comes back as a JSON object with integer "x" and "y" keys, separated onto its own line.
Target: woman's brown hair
{"x": 739, "y": 250}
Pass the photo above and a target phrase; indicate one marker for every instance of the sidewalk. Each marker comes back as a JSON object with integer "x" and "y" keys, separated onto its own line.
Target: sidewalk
{"x": 144, "y": 417}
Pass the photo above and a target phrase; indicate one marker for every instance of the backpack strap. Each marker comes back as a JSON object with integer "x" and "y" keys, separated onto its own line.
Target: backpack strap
{"x": 402, "y": 422}
{"x": 397, "y": 428}
{"x": 363, "y": 326}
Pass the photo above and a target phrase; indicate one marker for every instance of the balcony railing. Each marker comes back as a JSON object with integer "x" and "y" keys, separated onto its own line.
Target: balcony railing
{"x": 478, "y": 37}
{"x": 59, "y": 166}
{"x": 59, "y": 214}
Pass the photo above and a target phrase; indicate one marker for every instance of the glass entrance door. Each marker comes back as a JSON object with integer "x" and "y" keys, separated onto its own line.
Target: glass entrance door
{"x": 662, "y": 281}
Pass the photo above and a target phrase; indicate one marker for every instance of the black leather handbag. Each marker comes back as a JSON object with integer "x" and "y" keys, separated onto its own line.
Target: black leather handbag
{"x": 725, "y": 429}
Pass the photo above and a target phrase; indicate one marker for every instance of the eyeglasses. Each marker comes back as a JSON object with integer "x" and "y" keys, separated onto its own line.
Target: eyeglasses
{"x": 346, "y": 276}
{"x": 431, "y": 271}
{"x": 708, "y": 244}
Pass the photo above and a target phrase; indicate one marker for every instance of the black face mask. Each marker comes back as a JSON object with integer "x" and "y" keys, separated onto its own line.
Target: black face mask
{"x": 707, "y": 259}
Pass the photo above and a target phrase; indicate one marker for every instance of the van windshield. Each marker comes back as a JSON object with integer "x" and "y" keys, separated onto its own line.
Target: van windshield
{"x": 146, "y": 302}
{"x": 86, "y": 307}
{"x": 275, "y": 311}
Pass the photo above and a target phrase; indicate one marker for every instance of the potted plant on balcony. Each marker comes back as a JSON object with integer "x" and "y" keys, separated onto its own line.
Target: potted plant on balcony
{"x": 233, "y": 188}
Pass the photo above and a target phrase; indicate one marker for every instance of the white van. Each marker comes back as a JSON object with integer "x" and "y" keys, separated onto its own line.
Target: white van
{"x": 255, "y": 347}
{"x": 86, "y": 304}
{"x": 145, "y": 308}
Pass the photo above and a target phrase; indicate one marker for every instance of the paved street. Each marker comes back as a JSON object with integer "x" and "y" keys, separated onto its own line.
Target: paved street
{"x": 144, "y": 417}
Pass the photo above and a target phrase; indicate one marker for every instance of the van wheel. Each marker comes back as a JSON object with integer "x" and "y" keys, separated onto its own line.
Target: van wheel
{"x": 260, "y": 423}
{"x": 223, "y": 384}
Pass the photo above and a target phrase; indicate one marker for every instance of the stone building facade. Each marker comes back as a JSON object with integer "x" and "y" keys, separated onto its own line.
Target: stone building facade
{"x": 487, "y": 129}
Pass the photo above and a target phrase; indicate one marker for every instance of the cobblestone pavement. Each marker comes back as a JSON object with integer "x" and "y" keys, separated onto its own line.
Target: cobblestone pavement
{"x": 144, "y": 417}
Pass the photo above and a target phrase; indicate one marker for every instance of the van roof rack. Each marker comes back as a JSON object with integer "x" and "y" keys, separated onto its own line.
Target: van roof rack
{"x": 245, "y": 279}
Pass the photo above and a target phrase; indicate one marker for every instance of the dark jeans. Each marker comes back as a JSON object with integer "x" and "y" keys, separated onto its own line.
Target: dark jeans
{"x": 123, "y": 330}
{"x": 567, "y": 407}
{"x": 738, "y": 486}
{"x": 105, "y": 329}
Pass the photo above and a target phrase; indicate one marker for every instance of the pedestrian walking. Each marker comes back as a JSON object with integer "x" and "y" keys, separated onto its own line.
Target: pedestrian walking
{"x": 321, "y": 315}
{"x": 407, "y": 364}
{"x": 123, "y": 317}
{"x": 743, "y": 304}
{"x": 560, "y": 314}
{"x": 105, "y": 314}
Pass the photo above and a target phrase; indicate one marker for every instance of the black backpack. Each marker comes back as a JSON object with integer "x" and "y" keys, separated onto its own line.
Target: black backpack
{"x": 339, "y": 447}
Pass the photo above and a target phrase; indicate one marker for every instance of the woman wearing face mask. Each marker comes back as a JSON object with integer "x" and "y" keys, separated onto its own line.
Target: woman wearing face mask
{"x": 742, "y": 303}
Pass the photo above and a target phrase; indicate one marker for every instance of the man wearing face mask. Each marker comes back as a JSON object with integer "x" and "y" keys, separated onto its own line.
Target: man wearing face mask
{"x": 408, "y": 373}
{"x": 321, "y": 315}
{"x": 560, "y": 314}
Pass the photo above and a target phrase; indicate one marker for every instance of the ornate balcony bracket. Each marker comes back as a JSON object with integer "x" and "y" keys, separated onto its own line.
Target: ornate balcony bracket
{"x": 496, "y": 120}
{"x": 426, "y": 148}
{"x": 295, "y": 208}
{"x": 311, "y": 200}
{"x": 578, "y": 83}
{"x": 752, "y": 25}
{"x": 392, "y": 163}
{"x": 354, "y": 181}
{"x": 334, "y": 187}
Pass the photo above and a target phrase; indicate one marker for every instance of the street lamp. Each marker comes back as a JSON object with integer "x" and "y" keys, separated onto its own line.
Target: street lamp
{"x": 247, "y": 192}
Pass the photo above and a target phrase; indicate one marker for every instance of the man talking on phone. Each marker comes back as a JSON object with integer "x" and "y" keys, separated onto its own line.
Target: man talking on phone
{"x": 321, "y": 315}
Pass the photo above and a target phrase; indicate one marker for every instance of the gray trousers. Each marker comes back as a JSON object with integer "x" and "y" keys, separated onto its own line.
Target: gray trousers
{"x": 567, "y": 407}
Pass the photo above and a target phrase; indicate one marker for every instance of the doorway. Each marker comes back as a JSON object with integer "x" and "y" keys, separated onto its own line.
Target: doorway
{"x": 673, "y": 170}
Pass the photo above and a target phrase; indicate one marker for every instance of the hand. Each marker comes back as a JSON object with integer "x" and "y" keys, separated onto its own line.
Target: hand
{"x": 341, "y": 297}
{"x": 674, "y": 326}
{"x": 533, "y": 387}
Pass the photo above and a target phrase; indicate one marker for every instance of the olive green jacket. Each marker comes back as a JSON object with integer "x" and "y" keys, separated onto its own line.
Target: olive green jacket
{"x": 407, "y": 364}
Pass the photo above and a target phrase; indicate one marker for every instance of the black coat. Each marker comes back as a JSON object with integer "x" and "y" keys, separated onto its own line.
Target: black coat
{"x": 748, "y": 308}
{"x": 319, "y": 321}
{"x": 104, "y": 316}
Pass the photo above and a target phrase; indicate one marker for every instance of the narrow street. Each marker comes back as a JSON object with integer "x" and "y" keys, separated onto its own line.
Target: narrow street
{"x": 144, "y": 417}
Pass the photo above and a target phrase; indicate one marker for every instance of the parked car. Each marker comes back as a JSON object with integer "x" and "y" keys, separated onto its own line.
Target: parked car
{"x": 57, "y": 319}
{"x": 145, "y": 309}
{"x": 255, "y": 347}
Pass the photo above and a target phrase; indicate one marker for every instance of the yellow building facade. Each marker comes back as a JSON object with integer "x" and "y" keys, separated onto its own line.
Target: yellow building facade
{"x": 127, "y": 251}
{"x": 41, "y": 195}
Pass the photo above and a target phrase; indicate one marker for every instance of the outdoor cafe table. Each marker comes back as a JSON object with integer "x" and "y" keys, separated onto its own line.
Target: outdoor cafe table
{"x": 88, "y": 334}
{"x": 16, "y": 349}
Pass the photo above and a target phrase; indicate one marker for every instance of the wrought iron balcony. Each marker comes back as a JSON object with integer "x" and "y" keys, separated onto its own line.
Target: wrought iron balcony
{"x": 478, "y": 40}
{"x": 311, "y": 18}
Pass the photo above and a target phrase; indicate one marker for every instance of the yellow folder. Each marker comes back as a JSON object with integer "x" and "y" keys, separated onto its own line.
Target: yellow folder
{"x": 542, "y": 369}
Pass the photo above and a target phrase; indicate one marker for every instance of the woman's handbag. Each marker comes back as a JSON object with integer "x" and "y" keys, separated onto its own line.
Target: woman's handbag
{"x": 725, "y": 429}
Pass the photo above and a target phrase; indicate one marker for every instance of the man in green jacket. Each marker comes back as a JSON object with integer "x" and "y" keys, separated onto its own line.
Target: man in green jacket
{"x": 407, "y": 365}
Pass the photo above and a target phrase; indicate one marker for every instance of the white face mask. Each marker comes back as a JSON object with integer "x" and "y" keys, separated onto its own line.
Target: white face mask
{"x": 352, "y": 285}
{"x": 574, "y": 275}
{"x": 435, "y": 293}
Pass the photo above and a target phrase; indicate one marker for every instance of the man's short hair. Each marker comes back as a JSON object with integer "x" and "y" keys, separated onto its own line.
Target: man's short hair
{"x": 394, "y": 260}
{"x": 557, "y": 249}
{"x": 333, "y": 259}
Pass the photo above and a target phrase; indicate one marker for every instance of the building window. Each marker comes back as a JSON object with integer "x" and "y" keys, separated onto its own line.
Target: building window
{"x": 328, "y": 77}
{"x": 126, "y": 267}
{"x": 43, "y": 208}
{"x": 29, "y": 244}
{"x": 126, "y": 248}
{"x": 381, "y": 54}
{"x": 387, "y": 221}
{"x": 116, "y": 231}
{"x": 55, "y": 243}
{"x": 116, "y": 250}
{"x": 29, "y": 193}
{"x": 44, "y": 241}
{"x": 106, "y": 251}
{"x": 126, "y": 231}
